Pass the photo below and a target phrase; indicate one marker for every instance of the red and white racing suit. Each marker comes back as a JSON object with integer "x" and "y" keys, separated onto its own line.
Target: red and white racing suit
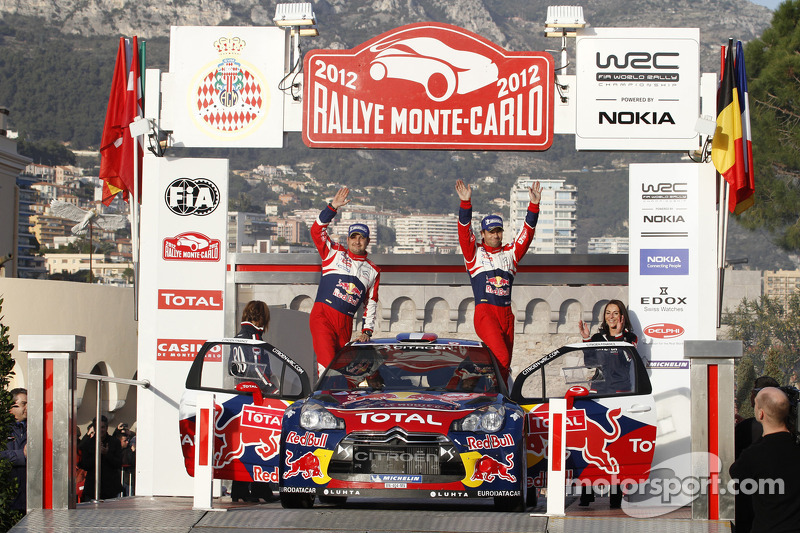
{"x": 347, "y": 281}
{"x": 492, "y": 272}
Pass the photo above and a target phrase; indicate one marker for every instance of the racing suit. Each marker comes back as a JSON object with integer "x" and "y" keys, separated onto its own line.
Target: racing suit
{"x": 613, "y": 366}
{"x": 492, "y": 272}
{"x": 251, "y": 362}
{"x": 348, "y": 281}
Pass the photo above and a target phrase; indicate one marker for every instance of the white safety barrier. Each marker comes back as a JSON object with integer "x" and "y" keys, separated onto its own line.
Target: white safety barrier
{"x": 204, "y": 452}
{"x": 556, "y": 469}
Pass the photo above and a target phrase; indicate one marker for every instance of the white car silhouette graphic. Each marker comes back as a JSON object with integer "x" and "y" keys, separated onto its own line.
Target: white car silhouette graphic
{"x": 193, "y": 243}
{"x": 440, "y": 69}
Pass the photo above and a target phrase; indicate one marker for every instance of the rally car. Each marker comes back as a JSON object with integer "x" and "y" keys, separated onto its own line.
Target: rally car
{"x": 418, "y": 416}
{"x": 414, "y": 416}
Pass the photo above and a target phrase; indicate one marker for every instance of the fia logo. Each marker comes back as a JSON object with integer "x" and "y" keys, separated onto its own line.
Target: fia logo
{"x": 186, "y": 196}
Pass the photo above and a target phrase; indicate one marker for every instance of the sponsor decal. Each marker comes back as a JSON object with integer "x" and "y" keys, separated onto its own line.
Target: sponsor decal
{"x": 200, "y": 300}
{"x": 187, "y": 196}
{"x": 254, "y": 426}
{"x": 490, "y": 442}
{"x": 265, "y": 476}
{"x": 184, "y": 350}
{"x": 303, "y": 490}
{"x": 591, "y": 440}
{"x": 308, "y": 439}
{"x": 485, "y": 493}
{"x": 428, "y": 85}
{"x": 664, "y": 262}
{"x": 498, "y": 286}
{"x": 487, "y": 468}
{"x": 341, "y": 492}
{"x": 663, "y": 330}
{"x": 664, "y": 191}
{"x": 395, "y": 478}
{"x": 681, "y": 365}
{"x": 438, "y": 420}
{"x": 306, "y": 466}
{"x": 664, "y": 302}
{"x": 191, "y": 246}
{"x": 448, "y": 494}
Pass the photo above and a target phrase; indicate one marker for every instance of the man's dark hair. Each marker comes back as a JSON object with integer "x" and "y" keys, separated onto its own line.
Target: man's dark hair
{"x": 102, "y": 418}
{"x": 765, "y": 381}
{"x": 16, "y": 392}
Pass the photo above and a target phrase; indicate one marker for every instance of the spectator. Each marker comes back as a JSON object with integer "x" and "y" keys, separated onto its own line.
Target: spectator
{"x": 128, "y": 460}
{"x": 746, "y": 433}
{"x": 110, "y": 462}
{"x": 772, "y": 464}
{"x": 16, "y": 451}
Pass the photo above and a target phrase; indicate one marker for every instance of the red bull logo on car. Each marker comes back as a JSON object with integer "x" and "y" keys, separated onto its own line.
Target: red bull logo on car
{"x": 583, "y": 434}
{"x": 257, "y": 426}
{"x": 307, "y": 466}
{"x": 490, "y": 442}
{"x": 488, "y": 468}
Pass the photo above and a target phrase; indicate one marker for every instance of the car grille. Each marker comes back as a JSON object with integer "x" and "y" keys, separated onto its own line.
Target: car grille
{"x": 396, "y": 452}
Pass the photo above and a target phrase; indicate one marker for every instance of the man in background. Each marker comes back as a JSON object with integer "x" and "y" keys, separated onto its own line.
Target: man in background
{"x": 16, "y": 451}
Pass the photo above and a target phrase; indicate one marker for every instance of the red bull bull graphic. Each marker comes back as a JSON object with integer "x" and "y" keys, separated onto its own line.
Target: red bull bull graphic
{"x": 488, "y": 468}
{"x": 306, "y": 466}
{"x": 246, "y": 440}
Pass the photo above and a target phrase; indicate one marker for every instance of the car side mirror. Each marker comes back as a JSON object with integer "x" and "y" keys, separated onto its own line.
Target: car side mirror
{"x": 255, "y": 390}
{"x": 573, "y": 392}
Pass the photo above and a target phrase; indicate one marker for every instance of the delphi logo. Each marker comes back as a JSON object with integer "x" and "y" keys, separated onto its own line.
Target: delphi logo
{"x": 663, "y": 330}
{"x": 186, "y": 196}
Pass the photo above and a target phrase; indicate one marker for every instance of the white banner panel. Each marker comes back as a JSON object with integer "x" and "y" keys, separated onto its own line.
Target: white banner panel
{"x": 224, "y": 89}
{"x": 672, "y": 288}
{"x": 181, "y": 295}
{"x": 637, "y": 88}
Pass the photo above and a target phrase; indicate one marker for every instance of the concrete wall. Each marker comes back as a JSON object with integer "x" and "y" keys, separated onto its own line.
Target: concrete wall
{"x": 102, "y": 314}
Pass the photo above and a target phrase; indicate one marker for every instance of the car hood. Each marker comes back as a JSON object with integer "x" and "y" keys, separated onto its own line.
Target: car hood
{"x": 435, "y": 400}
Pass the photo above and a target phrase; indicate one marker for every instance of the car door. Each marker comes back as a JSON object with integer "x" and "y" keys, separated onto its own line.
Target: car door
{"x": 253, "y": 383}
{"x": 611, "y": 417}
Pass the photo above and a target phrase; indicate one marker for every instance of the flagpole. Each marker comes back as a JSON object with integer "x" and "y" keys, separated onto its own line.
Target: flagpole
{"x": 722, "y": 241}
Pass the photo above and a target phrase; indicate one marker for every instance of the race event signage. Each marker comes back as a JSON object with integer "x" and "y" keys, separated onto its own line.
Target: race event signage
{"x": 637, "y": 88}
{"x": 222, "y": 87}
{"x": 428, "y": 86}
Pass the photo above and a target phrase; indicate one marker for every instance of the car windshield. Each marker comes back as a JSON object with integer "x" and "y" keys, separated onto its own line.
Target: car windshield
{"x": 411, "y": 367}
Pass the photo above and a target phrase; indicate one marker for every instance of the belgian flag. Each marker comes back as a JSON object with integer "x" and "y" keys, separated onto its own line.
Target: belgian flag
{"x": 727, "y": 152}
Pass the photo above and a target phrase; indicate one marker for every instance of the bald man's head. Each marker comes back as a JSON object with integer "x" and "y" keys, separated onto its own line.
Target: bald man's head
{"x": 775, "y": 405}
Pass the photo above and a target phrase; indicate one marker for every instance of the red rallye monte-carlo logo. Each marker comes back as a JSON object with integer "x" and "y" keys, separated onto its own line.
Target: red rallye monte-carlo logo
{"x": 191, "y": 246}
{"x": 428, "y": 85}
{"x": 663, "y": 330}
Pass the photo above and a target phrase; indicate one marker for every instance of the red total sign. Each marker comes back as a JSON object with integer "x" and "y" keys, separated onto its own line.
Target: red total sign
{"x": 428, "y": 85}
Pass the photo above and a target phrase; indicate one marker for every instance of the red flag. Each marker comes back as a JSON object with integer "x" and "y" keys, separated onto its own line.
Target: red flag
{"x": 114, "y": 130}
{"x": 726, "y": 147}
{"x": 133, "y": 110}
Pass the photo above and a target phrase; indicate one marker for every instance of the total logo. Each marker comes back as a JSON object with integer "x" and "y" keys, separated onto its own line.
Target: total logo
{"x": 187, "y": 196}
{"x": 199, "y": 300}
{"x": 663, "y": 330}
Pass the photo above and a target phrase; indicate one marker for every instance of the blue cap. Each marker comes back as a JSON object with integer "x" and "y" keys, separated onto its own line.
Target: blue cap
{"x": 358, "y": 228}
{"x": 490, "y": 222}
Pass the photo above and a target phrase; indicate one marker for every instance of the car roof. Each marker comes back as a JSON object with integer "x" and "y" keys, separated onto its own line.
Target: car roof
{"x": 422, "y": 339}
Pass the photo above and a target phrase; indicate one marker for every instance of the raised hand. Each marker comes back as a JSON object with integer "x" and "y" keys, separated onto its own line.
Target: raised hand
{"x": 583, "y": 327}
{"x": 464, "y": 191}
{"x": 535, "y": 192}
{"x": 341, "y": 198}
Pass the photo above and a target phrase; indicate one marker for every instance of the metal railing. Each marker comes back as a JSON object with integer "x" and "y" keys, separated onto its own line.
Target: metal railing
{"x": 98, "y": 417}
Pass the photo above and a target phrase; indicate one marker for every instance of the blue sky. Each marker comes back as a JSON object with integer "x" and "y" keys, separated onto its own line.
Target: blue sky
{"x": 772, "y": 4}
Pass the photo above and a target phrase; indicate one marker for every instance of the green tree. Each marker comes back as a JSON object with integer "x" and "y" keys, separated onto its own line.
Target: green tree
{"x": 774, "y": 72}
{"x": 770, "y": 334}
{"x": 8, "y": 487}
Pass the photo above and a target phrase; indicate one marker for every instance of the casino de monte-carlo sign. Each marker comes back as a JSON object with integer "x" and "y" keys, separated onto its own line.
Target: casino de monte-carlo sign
{"x": 428, "y": 86}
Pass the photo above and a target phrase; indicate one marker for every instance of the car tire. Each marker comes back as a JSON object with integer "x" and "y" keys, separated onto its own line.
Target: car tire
{"x": 297, "y": 501}
{"x": 333, "y": 500}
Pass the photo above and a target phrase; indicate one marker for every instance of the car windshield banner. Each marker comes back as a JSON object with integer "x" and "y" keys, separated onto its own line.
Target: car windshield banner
{"x": 428, "y": 85}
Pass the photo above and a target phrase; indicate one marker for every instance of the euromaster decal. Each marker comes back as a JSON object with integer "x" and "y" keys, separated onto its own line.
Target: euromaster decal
{"x": 428, "y": 85}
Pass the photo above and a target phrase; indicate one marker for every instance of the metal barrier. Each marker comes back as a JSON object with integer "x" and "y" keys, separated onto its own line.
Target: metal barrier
{"x": 100, "y": 379}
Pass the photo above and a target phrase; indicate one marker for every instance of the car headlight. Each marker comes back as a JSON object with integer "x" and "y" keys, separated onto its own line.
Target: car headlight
{"x": 488, "y": 419}
{"x": 314, "y": 417}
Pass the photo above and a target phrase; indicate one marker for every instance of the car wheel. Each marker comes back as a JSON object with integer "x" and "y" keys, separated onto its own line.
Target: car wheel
{"x": 333, "y": 500}
{"x": 296, "y": 501}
